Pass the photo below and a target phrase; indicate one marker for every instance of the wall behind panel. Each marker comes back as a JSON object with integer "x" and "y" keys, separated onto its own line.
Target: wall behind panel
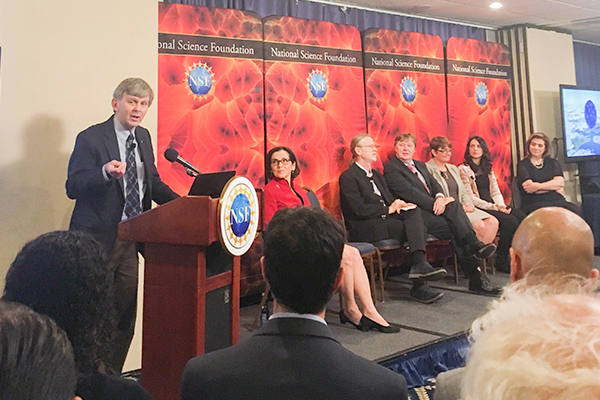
{"x": 551, "y": 63}
{"x": 60, "y": 63}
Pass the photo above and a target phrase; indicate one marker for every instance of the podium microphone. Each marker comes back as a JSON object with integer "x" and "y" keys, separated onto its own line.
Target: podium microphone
{"x": 173, "y": 156}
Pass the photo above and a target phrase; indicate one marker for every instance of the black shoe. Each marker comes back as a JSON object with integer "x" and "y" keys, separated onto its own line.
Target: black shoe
{"x": 369, "y": 325}
{"x": 425, "y": 294}
{"x": 483, "y": 286}
{"x": 344, "y": 318}
{"x": 426, "y": 272}
{"x": 482, "y": 251}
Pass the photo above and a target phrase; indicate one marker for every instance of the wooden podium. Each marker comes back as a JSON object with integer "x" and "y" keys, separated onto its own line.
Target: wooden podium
{"x": 191, "y": 289}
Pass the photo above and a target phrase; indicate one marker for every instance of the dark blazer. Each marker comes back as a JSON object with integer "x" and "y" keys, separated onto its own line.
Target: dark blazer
{"x": 99, "y": 203}
{"x": 363, "y": 210}
{"x": 407, "y": 186}
{"x": 289, "y": 358}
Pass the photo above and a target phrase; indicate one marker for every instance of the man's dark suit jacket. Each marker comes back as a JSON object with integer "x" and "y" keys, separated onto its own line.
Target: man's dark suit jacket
{"x": 362, "y": 209}
{"x": 407, "y": 186}
{"x": 99, "y": 203}
{"x": 289, "y": 358}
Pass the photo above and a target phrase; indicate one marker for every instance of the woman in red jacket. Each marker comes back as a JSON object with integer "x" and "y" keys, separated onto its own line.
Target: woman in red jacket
{"x": 281, "y": 192}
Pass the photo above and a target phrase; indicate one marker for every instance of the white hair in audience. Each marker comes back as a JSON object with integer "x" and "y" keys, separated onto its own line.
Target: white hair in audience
{"x": 533, "y": 347}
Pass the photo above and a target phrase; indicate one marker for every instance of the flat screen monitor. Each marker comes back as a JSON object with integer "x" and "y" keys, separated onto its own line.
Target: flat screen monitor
{"x": 210, "y": 184}
{"x": 580, "y": 108}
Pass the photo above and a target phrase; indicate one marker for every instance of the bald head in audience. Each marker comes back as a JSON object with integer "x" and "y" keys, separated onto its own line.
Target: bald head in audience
{"x": 552, "y": 241}
{"x": 537, "y": 348}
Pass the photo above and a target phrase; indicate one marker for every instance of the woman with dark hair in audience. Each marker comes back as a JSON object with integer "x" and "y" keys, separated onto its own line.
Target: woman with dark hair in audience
{"x": 540, "y": 177}
{"x": 282, "y": 192}
{"x": 447, "y": 175}
{"x": 63, "y": 275}
{"x": 482, "y": 187}
{"x": 36, "y": 357}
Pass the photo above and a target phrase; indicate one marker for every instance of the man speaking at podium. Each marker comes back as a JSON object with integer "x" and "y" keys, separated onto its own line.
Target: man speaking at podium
{"x": 112, "y": 177}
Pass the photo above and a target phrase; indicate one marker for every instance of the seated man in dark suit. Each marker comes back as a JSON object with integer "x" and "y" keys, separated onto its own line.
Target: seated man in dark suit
{"x": 371, "y": 214}
{"x": 294, "y": 355}
{"x": 444, "y": 218}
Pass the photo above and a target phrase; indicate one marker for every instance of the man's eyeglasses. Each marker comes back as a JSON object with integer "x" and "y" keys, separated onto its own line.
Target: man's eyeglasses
{"x": 371, "y": 146}
{"x": 283, "y": 161}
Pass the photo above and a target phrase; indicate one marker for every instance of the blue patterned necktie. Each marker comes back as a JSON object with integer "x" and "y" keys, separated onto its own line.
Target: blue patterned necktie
{"x": 133, "y": 206}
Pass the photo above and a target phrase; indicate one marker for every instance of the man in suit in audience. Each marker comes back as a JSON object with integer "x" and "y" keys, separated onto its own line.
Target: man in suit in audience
{"x": 552, "y": 253}
{"x": 112, "y": 177}
{"x": 372, "y": 214}
{"x": 294, "y": 355}
{"x": 36, "y": 358}
{"x": 444, "y": 218}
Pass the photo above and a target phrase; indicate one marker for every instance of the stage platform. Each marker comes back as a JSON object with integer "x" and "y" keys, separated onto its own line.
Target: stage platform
{"x": 421, "y": 323}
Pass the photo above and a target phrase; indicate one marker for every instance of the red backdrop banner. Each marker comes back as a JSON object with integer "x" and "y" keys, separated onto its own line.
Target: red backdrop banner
{"x": 479, "y": 101}
{"x": 405, "y": 88}
{"x": 314, "y": 97}
{"x": 210, "y": 92}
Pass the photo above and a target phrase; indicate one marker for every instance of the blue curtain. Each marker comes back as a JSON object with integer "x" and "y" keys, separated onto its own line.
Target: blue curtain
{"x": 587, "y": 64}
{"x": 362, "y": 19}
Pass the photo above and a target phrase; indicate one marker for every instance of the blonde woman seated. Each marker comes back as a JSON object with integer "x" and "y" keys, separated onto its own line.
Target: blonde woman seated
{"x": 281, "y": 192}
{"x": 447, "y": 175}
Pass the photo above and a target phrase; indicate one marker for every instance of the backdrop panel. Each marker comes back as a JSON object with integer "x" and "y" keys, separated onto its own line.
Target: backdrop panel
{"x": 210, "y": 92}
{"x": 314, "y": 97}
{"x": 405, "y": 88}
{"x": 479, "y": 101}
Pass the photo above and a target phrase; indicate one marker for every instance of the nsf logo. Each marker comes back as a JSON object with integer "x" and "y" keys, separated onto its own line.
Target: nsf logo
{"x": 409, "y": 90}
{"x": 481, "y": 94}
{"x": 200, "y": 79}
{"x": 238, "y": 215}
{"x": 317, "y": 83}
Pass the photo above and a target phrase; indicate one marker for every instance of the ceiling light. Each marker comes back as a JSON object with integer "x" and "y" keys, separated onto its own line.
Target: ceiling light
{"x": 495, "y": 6}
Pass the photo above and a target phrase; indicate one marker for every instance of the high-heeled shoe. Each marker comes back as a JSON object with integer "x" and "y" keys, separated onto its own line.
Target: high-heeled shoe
{"x": 368, "y": 324}
{"x": 344, "y": 318}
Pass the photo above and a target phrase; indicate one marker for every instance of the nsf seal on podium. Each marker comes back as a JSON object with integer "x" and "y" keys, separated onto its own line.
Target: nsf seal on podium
{"x": 238, "y": 215}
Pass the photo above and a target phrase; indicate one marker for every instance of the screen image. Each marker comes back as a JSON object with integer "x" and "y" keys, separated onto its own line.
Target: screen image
{"x": 581, "y": 128}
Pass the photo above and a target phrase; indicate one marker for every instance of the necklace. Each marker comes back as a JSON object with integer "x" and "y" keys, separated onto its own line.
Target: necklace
{"x": 445, "y": 175}
{"x": 539, "y": 165}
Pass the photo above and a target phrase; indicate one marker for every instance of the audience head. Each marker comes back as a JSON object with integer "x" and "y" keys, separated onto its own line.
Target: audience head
{"x": 477, "y": 155}
{"x": 282, "y": 164}
{"x": 357, "y": 142}
{"x": 550, "y": 245}
{"x": 63, "y": 275}
{"x": 302, "y": 255}
{"x": 441, "y": 149}
{"x": 36, "y": 358}
{"x": 537, "y": 145}
{"x": 405, "y": 145}
{"x": 532, "y": 348}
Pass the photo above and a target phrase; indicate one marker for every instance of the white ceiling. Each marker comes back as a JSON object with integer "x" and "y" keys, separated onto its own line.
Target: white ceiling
{"x": 579, "y": 17}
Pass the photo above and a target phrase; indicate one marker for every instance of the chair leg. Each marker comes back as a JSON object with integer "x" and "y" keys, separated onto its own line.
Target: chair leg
{"x": 455, "y": 269}
{"x": 262, "y": 303}
{"x": 484, "y": 264}
{"x": 371, "y": 269}
{"x": 380, "y": 271}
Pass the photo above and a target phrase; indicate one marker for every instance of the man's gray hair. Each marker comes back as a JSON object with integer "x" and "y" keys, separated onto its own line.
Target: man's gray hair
{"x": 134, "y": 87}
{"x": 535, "y": 348}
